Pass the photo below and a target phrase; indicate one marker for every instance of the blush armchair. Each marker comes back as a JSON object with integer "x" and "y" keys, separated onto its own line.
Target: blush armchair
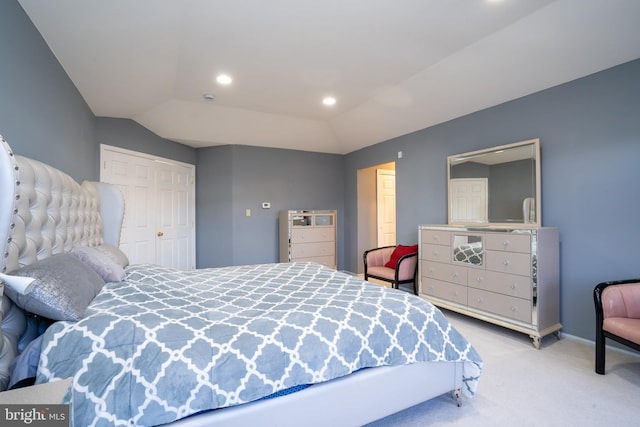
{"x": 617, "y": 305}
{"x": 394, "y": 264}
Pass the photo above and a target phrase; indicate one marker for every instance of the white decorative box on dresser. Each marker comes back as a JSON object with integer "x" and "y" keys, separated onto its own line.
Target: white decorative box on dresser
{"x": 506, "y": 276}
{"x": 308, "y": 236}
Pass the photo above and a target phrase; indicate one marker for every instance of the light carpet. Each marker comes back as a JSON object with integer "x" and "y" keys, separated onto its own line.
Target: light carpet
{"x": 521, "y": 386}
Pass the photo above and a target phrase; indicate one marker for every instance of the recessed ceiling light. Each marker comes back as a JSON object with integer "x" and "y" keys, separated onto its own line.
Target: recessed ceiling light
{"x": 224, "y": 79}
{"x": 329, "y": 100}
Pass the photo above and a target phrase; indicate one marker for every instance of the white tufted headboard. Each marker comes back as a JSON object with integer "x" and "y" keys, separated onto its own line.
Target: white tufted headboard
{"x": 51, "y": 213}
{"x": 44, "y": 211}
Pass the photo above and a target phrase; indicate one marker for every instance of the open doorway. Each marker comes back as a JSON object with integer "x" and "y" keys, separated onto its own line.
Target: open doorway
{"x": 376, "y": 208}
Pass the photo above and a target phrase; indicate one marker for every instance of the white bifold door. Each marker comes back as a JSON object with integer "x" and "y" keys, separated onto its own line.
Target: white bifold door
{"x": 159, "y": 219}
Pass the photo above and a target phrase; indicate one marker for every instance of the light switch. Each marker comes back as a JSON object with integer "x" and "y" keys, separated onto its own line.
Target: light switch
{"x": 247, "y": 212}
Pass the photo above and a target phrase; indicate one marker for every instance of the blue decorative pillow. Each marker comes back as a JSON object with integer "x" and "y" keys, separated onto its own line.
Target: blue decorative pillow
{"x": 62, "y": 289}
{"x": 105, "y": 266}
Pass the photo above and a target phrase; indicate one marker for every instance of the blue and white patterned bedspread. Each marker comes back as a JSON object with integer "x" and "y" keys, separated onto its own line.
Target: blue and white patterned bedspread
{"x": 164, "y": 344}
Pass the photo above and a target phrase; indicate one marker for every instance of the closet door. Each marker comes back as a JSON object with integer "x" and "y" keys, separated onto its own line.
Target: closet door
{"x": 159, "y": 221}
{"x": 174, "y": 220}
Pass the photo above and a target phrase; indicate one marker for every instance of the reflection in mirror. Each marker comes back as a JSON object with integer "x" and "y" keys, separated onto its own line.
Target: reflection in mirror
{"x": 468, "y": 249}
{"x": 496, "y": 185}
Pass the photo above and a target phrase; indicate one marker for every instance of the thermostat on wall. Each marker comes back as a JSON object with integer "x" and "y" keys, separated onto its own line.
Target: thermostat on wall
{"x": 266, "y": 205}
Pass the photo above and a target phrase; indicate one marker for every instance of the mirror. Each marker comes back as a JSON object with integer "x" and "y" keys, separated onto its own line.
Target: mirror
{"x": 468, "y": 249}
{"x": 499, "y": 185}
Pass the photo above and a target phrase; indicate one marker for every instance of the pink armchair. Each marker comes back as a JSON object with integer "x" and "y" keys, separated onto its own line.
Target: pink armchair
{"x": 394, "y": 264}
{"x": 617, "y": 316}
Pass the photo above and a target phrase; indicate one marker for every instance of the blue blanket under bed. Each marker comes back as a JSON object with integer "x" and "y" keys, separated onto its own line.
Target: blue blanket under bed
{"x": 164, "y": 344}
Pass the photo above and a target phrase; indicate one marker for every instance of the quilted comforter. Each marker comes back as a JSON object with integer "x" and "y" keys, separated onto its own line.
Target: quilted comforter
{"x": 164, "y": 344}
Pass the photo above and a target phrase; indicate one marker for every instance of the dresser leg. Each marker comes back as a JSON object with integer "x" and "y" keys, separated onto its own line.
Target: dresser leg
{"x": 535, "y": 341}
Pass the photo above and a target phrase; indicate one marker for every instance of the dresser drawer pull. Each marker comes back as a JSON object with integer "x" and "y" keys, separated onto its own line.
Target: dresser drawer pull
{"x": 506, "y": 263}
{"x": 479, "y": 300}
{"x": 513, "y": 286}
{"x": 479, "y": 279}
{"x": 514, "y": 308}
{"x": 505, "y": 243}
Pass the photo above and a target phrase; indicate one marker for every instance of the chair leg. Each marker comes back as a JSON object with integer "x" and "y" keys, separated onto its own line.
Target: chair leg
{"x": 600, "y": 352}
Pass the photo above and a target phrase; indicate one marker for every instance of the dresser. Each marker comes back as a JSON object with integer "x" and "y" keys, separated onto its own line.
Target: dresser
{"x": 308, "y": 236}
{"x": 505, "y": 276}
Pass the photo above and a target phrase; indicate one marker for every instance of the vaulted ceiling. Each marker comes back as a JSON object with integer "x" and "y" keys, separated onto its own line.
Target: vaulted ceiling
{"x": 393, "y": 66}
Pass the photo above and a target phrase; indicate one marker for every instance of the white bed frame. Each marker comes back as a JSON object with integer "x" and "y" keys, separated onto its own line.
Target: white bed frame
{"x": 92, "y": 212}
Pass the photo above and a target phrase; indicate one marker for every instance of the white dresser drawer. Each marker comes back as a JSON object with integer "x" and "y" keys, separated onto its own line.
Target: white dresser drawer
{"x": 436, "y": 237}
{"x": 445, "y": 290}
{"x": 507, "y": 284}
{"x": 316, "y": 234}
{"x": 305, "y": 250}
{"x": 436, "y": 253}
{"x": 447, "y": 272}
{"x": 502, "y": 305}
{"x": 508, "y": 262}
{"x": 508, "y": 242}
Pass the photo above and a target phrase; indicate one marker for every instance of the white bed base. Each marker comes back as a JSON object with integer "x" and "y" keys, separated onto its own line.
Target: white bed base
{"x": 356, "y": 399}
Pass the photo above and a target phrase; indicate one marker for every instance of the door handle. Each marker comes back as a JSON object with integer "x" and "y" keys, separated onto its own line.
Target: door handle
{"x": 159, "y": 234}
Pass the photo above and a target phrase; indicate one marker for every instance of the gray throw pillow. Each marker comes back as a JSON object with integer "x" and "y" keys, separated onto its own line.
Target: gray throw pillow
{"x": 62, "y": 289}
{"x": 114, "y": 253}
{"x": 105, "y": 266}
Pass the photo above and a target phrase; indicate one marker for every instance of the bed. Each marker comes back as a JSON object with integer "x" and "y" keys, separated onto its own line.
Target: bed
{"x": 280, "y": 344}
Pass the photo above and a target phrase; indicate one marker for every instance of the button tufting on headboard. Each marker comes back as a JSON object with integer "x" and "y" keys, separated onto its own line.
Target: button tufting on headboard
{"x": 43, "y": 211}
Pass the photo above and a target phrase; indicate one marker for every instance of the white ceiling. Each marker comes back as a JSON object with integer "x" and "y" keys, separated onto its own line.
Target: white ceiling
{"x": 395, "y": 66}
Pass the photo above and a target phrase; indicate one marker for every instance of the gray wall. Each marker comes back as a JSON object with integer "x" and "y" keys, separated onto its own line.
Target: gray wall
{"x": 590, "y": 145}
{"x": 214, "y": 210}
{"x": 42, "y": 115}
{"x": 232, "y": 179}
{"x": 125, "y": 133}
{"x": 509, "y": 184}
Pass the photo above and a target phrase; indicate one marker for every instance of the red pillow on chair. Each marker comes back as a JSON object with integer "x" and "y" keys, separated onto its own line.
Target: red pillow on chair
{"x": 398, "y": 253}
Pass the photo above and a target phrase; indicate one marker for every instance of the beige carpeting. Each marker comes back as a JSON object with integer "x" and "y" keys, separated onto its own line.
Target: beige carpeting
{"x": 521, "y": 386}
